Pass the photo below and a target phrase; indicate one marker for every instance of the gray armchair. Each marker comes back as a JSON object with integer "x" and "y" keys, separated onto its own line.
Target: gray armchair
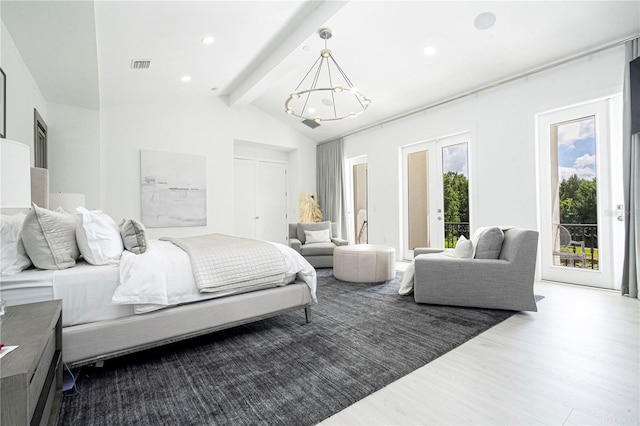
{"x": 319, "y": 254}
{"x": 502, "y": 283}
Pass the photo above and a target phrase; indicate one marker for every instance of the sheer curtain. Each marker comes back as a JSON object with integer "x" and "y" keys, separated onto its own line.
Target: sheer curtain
{"x": 329, "y": 179}
{"x": 631, "y": 177}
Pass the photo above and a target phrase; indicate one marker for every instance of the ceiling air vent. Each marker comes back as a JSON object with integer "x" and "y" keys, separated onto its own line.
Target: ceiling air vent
{"x": 140, "y": 64}
{"x": 311, "y": 123}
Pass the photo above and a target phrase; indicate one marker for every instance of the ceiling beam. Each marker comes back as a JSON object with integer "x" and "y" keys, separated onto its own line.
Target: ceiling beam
{"x": 261, "y": 72}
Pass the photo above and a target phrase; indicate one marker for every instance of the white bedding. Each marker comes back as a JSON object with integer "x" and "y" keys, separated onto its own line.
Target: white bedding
{"x": 85, "y": 291}
{"x": 162, "y": 277}
{"x": 159, "y": 278}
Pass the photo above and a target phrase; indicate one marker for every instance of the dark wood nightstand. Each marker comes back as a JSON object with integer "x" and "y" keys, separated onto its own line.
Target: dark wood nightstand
{"x": 31, "y": 375}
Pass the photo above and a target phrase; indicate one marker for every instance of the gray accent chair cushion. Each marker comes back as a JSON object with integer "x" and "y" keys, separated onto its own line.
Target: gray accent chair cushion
{"x": 503, "y": 283}
{"x": 487, "y": 243}
{"x": 319, "y": 255}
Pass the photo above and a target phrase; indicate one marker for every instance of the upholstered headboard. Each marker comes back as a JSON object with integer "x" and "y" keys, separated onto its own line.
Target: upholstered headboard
{"x": 40, "y": 186}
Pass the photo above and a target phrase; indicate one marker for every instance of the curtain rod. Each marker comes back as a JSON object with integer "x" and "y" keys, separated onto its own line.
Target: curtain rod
{"x": 488, "y": 86}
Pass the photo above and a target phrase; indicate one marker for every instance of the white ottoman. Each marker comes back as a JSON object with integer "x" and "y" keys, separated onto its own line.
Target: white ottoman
{"x": 364, "y": 263}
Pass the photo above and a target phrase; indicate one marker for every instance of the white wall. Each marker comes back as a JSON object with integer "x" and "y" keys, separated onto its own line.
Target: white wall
{"x": 74, "y": 151}
{"x": 204, "y": 126}
{"x": 23, "y": 94}
{"x": 503, "y": 146}
{"x": 97, "y": 153}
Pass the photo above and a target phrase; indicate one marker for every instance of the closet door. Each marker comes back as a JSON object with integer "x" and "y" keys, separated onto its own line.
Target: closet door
{"x": 271, "y": 202}
{"x": 245, "y": 172}
{"x": 261, "y": 200}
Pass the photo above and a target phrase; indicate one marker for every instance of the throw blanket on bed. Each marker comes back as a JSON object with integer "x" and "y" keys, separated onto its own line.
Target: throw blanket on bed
{"x": 222, "y": 262}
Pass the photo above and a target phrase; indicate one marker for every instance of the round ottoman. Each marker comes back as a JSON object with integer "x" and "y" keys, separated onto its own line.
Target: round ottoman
{"x": 364, "y": 263}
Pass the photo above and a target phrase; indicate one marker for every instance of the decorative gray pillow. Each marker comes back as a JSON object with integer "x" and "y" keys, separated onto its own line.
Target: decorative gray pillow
{"x": 489, "y": 243}
{"x": 133, "y": 236}
{"x": 464, "y": 248}
{"x": 49, "y": 238}
{"x": 319, "y": 226}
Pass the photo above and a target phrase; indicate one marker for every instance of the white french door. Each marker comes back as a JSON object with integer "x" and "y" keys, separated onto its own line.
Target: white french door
{"x": 261, "y": 200}
{"x": 578, "y": 194}
{"x": 428, "y": 169}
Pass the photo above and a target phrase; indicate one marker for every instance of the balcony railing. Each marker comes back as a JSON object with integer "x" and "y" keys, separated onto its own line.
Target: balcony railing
{"x": 453, "y": 230}
{"x": 588, "y": 233}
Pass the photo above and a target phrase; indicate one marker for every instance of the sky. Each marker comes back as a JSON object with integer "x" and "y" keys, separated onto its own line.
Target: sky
{"x": 577, "y": 149}
{"x": 455, "y": 159}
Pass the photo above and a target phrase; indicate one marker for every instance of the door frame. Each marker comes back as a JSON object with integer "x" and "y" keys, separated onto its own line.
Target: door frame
{"x": 606, "y": 136}
{"x": 350, "y": 196}
{"x": 435, "y": 187}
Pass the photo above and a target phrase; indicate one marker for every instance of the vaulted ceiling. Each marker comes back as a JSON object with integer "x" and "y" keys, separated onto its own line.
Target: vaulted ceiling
{"x": 80, "y": 52}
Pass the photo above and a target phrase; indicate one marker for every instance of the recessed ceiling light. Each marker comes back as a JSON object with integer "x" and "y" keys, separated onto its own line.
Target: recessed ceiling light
{"x": 484, "y": 21}
{"x": 306, "y": 48}
{"x": 208, "y": 40}
{"x": 312, "y": 110}
{"x": 185, "y": 78}
{"x": 429, "y": 50}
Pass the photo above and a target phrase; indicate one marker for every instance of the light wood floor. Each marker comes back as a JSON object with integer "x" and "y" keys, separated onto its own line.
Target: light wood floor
{"x": 574, "y": 362}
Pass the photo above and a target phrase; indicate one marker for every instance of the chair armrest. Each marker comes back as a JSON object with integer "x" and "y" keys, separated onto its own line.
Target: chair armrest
{"x": 339, "y": 241}
{"x": 295, "y": 244}
{"x": 426, "y": 250}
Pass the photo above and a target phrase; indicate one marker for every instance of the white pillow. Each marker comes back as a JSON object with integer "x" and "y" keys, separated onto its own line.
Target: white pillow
{"x": 50, "y": 238}
{"x": 14, "y": 257}
{"x": 464, "y": 248}
{"x": 98, "y": 237}
{"x": 322, "y": 236}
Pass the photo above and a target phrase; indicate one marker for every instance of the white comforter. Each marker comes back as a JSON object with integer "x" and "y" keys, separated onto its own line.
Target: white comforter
{"x": 162, "y": 277}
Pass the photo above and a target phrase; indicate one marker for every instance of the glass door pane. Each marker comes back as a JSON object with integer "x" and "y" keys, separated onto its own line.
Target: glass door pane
{"x": 418, "y": 200}
{"x": 361, "y": 225}
{"x": 575, "y": 193}
{"x": 455, "y": 191}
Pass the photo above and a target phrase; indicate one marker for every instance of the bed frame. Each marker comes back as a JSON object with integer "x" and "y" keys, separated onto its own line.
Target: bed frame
{"x": 97, "y": 341}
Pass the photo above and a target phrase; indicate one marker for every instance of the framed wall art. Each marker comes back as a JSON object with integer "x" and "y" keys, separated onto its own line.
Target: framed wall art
{"x": 173, "y": 189}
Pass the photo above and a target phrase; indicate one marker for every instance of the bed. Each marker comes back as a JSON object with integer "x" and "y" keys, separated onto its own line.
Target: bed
{"x": 139, "y": 300}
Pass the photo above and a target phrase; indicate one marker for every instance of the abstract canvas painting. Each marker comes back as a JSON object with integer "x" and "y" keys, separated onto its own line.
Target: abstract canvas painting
{"x": 173, "y": 189}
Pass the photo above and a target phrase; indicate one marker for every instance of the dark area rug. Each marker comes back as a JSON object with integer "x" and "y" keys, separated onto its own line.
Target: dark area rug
{"x": 280, "y": 370}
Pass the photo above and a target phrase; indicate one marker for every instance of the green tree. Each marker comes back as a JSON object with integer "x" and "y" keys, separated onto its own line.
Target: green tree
{"x": 578, "y": 200}
{"x": 456, "y": 197}
{"x": 568, "y": 187}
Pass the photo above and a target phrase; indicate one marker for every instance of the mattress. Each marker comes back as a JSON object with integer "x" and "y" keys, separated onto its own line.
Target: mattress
{"x": 30, "y": 286}
{"x": 85, "y": 291}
